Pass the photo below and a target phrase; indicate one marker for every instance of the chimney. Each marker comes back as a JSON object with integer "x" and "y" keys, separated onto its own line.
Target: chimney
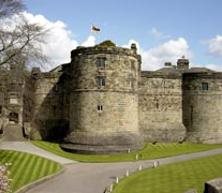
{"x": 133, "y": 47}
{"x": 168, "y": 64}
{"x": 182, "y": 64}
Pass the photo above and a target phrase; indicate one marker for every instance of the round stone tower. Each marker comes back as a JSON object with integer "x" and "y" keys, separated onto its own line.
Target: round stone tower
{"x": 202, "y": 102}
{"x": 103, "y": 99}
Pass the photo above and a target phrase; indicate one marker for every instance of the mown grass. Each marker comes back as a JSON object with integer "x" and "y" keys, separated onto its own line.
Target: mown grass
{"x": 173, "y": 178}
{"x": 149, "y": 151}
{"x": 26, "y": 168}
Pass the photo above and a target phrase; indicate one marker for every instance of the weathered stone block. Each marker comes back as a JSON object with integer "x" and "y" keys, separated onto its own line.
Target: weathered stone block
{"x": 213, "y": 186}
{"x": 191, "y": 191}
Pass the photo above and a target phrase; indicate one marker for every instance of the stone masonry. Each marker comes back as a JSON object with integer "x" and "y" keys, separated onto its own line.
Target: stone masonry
{"x": 102, "y": 102}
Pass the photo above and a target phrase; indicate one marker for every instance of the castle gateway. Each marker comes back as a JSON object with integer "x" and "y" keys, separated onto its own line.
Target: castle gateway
{"x": 102, "y": 102}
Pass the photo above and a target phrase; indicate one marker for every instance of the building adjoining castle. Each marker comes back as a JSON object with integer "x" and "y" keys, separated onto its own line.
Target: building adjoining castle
{"x": 101, "y": 101}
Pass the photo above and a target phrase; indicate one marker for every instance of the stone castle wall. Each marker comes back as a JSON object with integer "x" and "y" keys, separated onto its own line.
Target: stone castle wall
{"x": 116, "y": 124}
{"x": 160, "y": 107}
{"x": 102, "y": 99}
{"x": 202, "y": 102}
{"x": 164, "y": 105}
{"x": 51, "y": 104}
{"x": 11, "y": 104}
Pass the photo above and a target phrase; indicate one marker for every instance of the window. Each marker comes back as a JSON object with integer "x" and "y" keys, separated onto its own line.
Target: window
{"x": 13, "y": 99}
{"x": 0, "y": 110}
{"x": 101, "y": 81}
{"x": 132, "y": 65}
{"x": 13, "y": 117}
{"x": 157, "y": 105}
{"x": 99, "y": 108}
{"x": 100, "y": 63}
{"x": 204, "y": 86}
{"x": 55, "y": 88}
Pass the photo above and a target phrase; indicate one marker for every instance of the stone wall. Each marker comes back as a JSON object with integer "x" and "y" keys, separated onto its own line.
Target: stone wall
{"x": 202, "y": 93}
{"x": 11, "y": 104}
{"x": 116, "y": 124}
{"x": 51, "y": 104}
{"x": 104, "y": 113}
{"x": 160, "y": 107}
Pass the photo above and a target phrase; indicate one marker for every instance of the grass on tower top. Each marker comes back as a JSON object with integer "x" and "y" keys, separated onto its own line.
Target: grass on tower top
{"x": 107, "y": 43}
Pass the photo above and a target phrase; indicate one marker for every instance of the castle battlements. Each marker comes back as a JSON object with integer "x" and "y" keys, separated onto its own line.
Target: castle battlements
{"x": 102, "y": 102}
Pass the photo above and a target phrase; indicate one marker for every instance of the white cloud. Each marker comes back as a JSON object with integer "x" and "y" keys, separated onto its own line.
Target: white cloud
{"x": 90, "y": 41}
{"x": 215, "y": 46}
{"x": 158, "y": 34}
{"x": 214, "y": 67}
{"x": 58, "y": 41}
{"x": 170, "y": 51}
{"x": 155, "y": 32}
{"x": 132, "y": 41}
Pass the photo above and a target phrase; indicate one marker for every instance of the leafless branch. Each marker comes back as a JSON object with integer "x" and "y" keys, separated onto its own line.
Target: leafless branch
{"x": 10, "y": 7}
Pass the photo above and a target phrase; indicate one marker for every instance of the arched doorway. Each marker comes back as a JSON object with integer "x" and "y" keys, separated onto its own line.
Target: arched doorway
{"x": 13, "y": 117}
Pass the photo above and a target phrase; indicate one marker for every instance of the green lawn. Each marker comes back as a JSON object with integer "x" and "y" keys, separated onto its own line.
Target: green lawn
{"x": 149, "y": 151}
{"x": 173, "y": 178}
{"x": 27, "y": 168}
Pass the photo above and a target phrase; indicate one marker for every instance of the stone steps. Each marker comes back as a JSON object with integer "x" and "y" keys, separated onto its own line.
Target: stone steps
{"x": 12, "y": 132}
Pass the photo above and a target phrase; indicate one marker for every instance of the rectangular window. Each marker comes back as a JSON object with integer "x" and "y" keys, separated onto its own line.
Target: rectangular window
{"x": 55, "y": 88}
{"x": 101, "y": 63}
{"x": 99, "y": 108}
{"x": 204, "y": 86}
{"x": 13, "y": 99}
{"x": 101, "y": 81}
{"x": 0, "y": 110}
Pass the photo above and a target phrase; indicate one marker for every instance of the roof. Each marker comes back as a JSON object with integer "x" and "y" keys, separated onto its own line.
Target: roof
{"x": 199, "y": 70}
{"x": 58, "y": 68}
{"x": 166, "y": 72}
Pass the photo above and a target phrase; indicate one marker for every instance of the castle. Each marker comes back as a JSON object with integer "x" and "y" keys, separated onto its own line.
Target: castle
{"x": 102, "y": 102}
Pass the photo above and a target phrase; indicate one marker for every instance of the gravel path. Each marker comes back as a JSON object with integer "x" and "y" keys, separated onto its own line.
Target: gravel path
{"x": 94, "y": 177}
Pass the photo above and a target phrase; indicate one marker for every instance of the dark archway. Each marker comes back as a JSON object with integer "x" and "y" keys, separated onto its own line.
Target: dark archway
{"x": 13, "y": 117}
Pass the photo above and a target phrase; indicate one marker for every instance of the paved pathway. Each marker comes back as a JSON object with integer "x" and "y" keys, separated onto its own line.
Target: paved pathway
{"x": 30, "y": 148}
{"x": 94, "y": 177}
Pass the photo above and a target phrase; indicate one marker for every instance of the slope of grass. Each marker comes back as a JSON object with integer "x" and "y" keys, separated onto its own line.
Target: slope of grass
{"x": 149, "y": 151}
{"x": 173, "y": 178}
{"x": 27, "y": 168}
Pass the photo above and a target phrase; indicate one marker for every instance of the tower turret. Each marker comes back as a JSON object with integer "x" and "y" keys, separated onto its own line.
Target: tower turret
{"x": 104, "y": 99}
{"x": 183, "y": 64}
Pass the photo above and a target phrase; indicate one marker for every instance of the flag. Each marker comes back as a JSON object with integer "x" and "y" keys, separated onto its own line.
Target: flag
{"x": 95, "y": 29}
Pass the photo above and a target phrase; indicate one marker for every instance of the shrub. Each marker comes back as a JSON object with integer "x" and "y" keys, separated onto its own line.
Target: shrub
{"x": 4, "y": 178}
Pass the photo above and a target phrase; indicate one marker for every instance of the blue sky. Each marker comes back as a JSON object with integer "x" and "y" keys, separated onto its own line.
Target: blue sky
{"x": 149, "y": 22}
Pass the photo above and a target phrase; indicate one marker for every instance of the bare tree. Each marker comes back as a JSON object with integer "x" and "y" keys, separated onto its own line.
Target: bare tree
{"x": 23, "y": 42}
{"x": 20, "y": 41}
{"x": 10, "y": 7}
